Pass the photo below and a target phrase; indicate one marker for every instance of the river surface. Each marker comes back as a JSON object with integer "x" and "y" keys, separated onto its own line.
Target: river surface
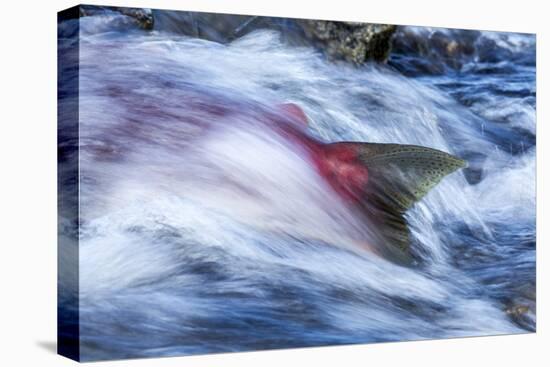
{"x": 202, "y": 240}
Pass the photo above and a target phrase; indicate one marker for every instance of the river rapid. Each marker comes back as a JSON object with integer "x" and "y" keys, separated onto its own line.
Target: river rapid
{"x": 200, "y": 239}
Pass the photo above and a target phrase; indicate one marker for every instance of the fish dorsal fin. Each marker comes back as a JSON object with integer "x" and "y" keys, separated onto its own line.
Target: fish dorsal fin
{"x": 398, "y": 176}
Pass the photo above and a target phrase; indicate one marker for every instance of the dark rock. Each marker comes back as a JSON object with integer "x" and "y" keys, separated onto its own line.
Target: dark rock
{"x": 353, "y": 42}
{"x": 142, "y": 17}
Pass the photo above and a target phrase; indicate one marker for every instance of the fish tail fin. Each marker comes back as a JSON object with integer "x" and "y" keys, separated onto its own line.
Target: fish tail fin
{"x": 398, "y": 176}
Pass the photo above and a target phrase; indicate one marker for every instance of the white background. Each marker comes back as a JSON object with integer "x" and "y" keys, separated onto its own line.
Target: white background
{"x": 28, "y": 182}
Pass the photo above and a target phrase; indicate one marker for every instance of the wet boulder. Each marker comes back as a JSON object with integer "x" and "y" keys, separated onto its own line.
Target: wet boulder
{"x": 354, "y": 42}
{"x": 143, "y": 18}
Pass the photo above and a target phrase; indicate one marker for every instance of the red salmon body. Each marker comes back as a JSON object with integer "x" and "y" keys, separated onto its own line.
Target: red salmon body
{"x": 338, "y": 164}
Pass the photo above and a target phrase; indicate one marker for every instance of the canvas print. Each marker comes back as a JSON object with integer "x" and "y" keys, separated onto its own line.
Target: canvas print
{"x": 233, "y": 183}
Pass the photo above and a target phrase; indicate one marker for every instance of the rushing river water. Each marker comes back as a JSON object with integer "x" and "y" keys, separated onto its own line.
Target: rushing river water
{"x": 197, "y": 240}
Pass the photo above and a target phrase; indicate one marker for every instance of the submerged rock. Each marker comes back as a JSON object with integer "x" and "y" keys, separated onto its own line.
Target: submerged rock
{"x": 522, "y": 308}
{"x": 433, "y": 51}
{"x": 350, "y": 41}
{"x": 426, "y": 50}
{"x": 522, "y": 315}
{"x": 221, "y": 28}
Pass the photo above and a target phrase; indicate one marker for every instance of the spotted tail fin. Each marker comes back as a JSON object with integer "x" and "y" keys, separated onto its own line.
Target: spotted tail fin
{"x": 398, "y": 176}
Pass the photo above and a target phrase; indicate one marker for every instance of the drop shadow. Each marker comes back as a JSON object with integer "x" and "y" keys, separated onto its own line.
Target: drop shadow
{"x": 48, "y": 345}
